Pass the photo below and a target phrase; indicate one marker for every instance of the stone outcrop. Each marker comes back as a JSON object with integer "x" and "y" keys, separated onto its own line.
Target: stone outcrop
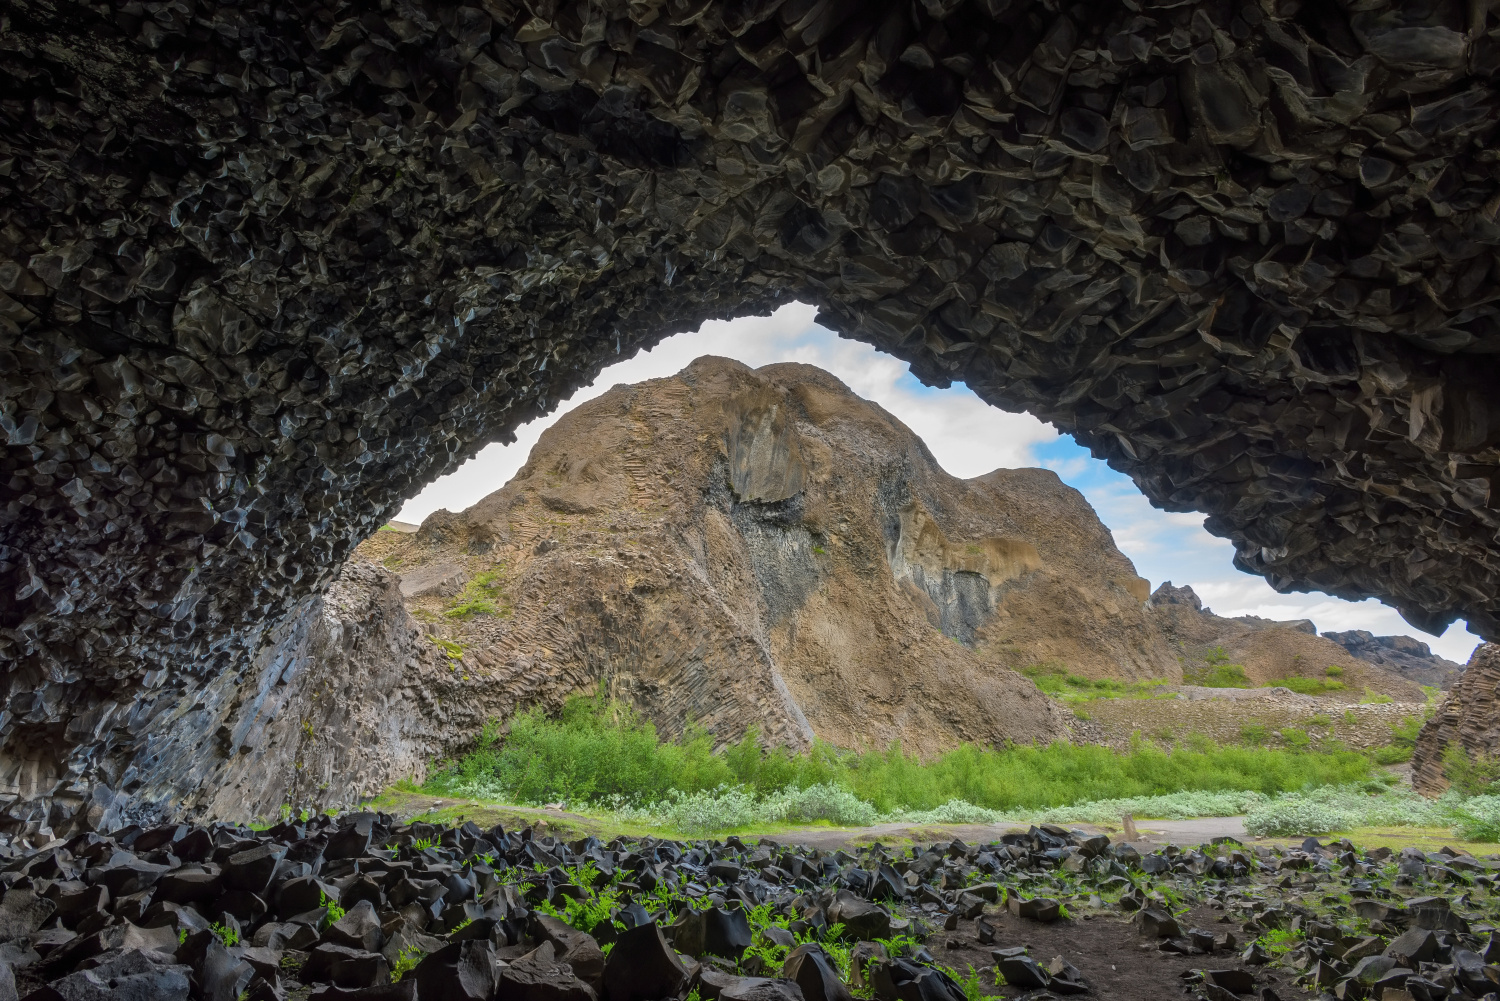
{"x": 1469, "y": 716}
{"x": 263, "y": 272}
{"x": 345, "y": 698}
{"x": 1269, "y": 650}
{"x": 763, "y": 548}
{"x": 1410, "y": 658}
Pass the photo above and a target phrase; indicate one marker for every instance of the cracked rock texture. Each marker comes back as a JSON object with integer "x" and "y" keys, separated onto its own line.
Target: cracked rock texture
{"x": 1469, "y": 716}
{"x": 1411, "y": 658}
{"x": 266, "y": 268}
{"x": 763, "y": 548}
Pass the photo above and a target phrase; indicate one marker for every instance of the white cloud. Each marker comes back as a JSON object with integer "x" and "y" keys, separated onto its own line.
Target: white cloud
{"x": 969, "y": 438}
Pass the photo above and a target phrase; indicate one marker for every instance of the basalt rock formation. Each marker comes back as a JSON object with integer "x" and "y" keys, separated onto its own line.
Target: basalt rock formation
{"x": 1269, "y": 650}
{"x": 1410, "y": 658}
{"x": 1469, "y": 717}
{"x": 329, "y": 908}
{"x": 763, "y": 548}
{"x": 267, "y": 268}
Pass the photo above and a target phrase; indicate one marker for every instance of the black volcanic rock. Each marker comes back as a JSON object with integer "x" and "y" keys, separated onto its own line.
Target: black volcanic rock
{"x": 1411, "y": 658}
{"x": 262, "y": 275}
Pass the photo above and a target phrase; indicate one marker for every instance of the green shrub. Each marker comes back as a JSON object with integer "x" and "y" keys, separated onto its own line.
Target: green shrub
{"x": 1374, "y": 698}
{"x": 1254, "y": 735}
{"x": 1478, "y": 819}
{"x": 1295, "y": 737}
{"x": 1294, "y": 818}
{"x": 604, "y": 753}
{"x": 1470, "y": 774}
{"x": 1334, "y": 671}
{"x": 1217, "y": 675}
{"x": 1306, "y": 686}
{"x": 482, "y": 595}
{"x": 1391, "y": 754}
{"x": 1054, "y": 679}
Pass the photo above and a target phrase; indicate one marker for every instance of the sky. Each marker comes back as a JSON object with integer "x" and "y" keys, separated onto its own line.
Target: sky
{"x": 969, "y": 438}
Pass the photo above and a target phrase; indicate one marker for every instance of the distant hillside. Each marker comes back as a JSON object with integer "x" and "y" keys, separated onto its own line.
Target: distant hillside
{"x": 1410, "y": 658}
{"x": 1269, "y": 650}
{"x": 763, "y": 547}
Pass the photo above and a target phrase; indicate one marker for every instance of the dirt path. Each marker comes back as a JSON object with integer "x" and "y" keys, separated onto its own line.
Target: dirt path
{"x": 568, "y": 825}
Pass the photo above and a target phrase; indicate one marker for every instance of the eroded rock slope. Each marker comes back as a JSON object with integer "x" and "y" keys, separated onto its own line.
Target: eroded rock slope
{"x": 763, "y": 547}
{"x": 1270, "y": 650}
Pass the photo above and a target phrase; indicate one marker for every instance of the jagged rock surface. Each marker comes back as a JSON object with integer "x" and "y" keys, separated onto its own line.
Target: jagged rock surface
{"x": 762, "y": 547}
{"x": 345, "y": 698}
{"x": 1269, "y": 650}
{"x": 1411, "y": 658}
{"x": 264, "y": 270}
{"x": 1469, "y": 716}
{"x": 337, "y": 907}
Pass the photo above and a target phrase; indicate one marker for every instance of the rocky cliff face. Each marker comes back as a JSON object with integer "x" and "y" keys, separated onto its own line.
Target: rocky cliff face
{"x": 1469, "y": 716}
{"x": 763, "y": 547}
{"x": 1408, "y": 657}
{"x": 1269, "y": 650}
{"x": 345, "y": 697}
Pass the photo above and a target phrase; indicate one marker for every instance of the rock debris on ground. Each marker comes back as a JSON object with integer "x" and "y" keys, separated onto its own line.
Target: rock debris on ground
{"x": 366, "y": 907}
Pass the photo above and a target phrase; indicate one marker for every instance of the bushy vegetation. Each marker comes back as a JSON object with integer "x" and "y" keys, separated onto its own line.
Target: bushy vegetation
{"x": 482, "y": 595}
{"x": 1055, "y": 679}
{"x": 1308, "y": 686}
{"x": 602, "y": 754}
{"x": 1471, "y": 774}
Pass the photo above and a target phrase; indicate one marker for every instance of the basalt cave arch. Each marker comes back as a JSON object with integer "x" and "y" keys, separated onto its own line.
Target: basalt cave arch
{"x": 266, "y": 268}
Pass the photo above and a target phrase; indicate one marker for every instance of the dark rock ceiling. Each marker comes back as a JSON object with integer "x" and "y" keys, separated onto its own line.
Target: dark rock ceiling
{"x": 269, "y": 267}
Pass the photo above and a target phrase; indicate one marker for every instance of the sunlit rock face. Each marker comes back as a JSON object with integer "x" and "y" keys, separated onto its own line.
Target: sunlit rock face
{"x": 266, "y": 269}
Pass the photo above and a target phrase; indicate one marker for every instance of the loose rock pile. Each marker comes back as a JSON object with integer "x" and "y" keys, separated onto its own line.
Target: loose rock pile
{"x": 262, "y": 274}
{"x": 364, "y": 907}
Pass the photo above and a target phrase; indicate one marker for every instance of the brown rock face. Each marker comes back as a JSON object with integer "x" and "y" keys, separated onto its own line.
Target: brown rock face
{"x": 1269, "y": 650}
{"x": 264, "y": 271}
{"x": 1468, "y": 716}
{"x": 762, "y": 547}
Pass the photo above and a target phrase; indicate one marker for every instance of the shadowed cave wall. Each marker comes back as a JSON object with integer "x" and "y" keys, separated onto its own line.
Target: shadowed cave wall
{"x": 267, "y": 268}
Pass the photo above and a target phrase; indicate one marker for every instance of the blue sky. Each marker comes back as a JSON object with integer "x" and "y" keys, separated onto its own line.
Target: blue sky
{"x": 969, "y": 438}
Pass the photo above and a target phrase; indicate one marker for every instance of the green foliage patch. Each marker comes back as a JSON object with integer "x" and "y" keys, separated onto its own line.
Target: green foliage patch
{"x": 1308, "y": 686}
{"x": 1055, "y": 679}
{"x": 482, "y": 595}
{"x": 603, "y": 754}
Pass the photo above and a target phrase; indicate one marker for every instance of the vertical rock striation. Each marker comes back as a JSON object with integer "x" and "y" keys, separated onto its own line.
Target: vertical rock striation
{"x": 1469, "y": 717}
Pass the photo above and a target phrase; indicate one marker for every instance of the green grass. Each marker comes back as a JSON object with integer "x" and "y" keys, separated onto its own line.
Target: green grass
{"x": 482, "y": 595}
{"x": 1217, "y": 675}
{"x": 1054, "y": 679}
{"x": 603, "y": 753}
{"x": 1307, "y": 686}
